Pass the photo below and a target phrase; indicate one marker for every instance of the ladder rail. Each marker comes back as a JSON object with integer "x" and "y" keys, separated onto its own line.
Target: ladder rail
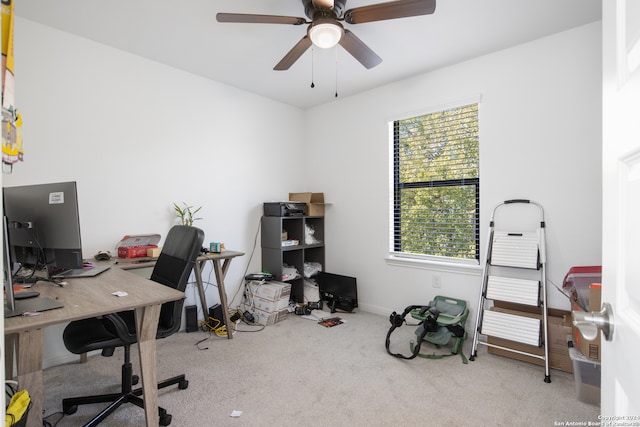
{"x": 483, "y": 290}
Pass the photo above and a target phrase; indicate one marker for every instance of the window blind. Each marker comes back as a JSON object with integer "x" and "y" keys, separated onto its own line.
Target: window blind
{"x": 436, "y": 185}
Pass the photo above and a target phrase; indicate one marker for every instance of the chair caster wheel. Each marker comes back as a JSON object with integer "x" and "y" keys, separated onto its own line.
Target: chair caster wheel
{"x": 135, "y": 379}
{"x": 70, "y": 410}
{"x": 183, "y": 384}
{"x": 165, "y": 419}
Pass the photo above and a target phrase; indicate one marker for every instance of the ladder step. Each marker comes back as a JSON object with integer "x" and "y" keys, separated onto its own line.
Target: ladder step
{"x": 509, "y": 289}
{"x": 521, "y": 329}
{"x": 515, "y": 249}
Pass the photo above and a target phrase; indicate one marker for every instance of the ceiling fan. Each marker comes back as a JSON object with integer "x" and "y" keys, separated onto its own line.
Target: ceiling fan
{"x": 325, "y": 29}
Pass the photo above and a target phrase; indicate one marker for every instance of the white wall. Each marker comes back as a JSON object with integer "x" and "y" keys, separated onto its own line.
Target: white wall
{"x": 540, "y": 139}
{"x": 137, "y": 136}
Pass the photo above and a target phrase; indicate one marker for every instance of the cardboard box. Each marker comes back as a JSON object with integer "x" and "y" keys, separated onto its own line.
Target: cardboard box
{"x": 265, "y": 318}
{"x": 270, "y": 306}
{"x": 590, "y": 349}
{"x": 559, "y": 326}
{"x": 137, "y": 245}
{"x": 314, "y": 201}
{"x": 269, "y": 302}
{"x": 272, "y": 291}
{"x": 154, "y": 252}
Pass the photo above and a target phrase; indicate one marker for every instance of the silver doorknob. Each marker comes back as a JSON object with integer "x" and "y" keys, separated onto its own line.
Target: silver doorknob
{"x": 589, "y": 322}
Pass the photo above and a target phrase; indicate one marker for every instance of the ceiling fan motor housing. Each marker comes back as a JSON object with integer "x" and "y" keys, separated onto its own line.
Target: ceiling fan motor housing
{"x": 310, "y": 9}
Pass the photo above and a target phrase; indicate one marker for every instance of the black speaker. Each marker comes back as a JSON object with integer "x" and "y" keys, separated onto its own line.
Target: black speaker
{"x": 192, "y": 318}
{"x": 216, "y": 320}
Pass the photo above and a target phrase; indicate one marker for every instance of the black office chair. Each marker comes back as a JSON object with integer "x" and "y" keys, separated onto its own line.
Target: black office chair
{"x": 173, "y": 267}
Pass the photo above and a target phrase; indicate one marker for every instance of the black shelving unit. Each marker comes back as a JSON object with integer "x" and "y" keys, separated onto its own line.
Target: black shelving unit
{"x": 275, "y": 255}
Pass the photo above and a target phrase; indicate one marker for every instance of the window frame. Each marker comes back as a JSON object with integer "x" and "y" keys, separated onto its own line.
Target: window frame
{"x": 397, "y": 257}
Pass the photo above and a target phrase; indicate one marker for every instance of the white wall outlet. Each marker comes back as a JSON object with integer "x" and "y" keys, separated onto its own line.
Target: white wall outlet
{"x": 437, "y": 282}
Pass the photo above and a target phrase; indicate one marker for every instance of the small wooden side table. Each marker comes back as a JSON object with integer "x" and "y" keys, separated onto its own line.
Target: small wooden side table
{"x": 221, "y": 262}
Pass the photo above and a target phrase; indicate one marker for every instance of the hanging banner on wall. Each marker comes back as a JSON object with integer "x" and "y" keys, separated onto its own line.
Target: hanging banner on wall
{"x": 7, "y": 56}
{"x": 11, "y": 120}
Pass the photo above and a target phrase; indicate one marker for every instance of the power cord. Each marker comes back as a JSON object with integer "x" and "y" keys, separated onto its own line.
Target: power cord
{"x": 248, "y": 319}
{"x": 253, "y": 250}
{"x": 215, "y": 326}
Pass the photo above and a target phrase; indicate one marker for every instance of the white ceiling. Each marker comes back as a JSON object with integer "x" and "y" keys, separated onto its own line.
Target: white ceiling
{"x": 185, "y": 34}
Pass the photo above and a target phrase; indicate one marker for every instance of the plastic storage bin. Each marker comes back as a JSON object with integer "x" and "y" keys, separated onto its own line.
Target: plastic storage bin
{"x": 587, "y": 376}
{"x": 577, "y": 281}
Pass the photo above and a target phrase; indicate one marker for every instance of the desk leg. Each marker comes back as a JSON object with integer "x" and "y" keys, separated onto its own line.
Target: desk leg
{"x": 146, "y": 329}
{"x": 30, "y": 349}
{"x": 10, "y": 343}
{"x": 197, "y": 270}
{"x": 221, "y": 272}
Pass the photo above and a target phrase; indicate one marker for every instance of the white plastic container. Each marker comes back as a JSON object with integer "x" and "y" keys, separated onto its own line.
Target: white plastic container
{"x": 587, "y": 376}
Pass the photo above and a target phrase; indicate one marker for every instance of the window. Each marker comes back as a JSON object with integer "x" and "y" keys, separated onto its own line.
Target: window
{"x": 436, "y": 185}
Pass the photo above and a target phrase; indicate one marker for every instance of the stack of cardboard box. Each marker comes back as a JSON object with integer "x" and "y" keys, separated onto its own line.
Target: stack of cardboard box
{"x": 267, "y": 301}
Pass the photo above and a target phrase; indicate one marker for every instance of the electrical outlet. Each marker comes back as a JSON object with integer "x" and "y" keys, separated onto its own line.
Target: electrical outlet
{"x": 437, "y": 281}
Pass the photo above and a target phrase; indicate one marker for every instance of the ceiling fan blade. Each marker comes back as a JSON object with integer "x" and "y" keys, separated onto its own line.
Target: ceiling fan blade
{"x": 293, "y": 55}
{"x": 359, "y": 50}
{"x": 323, "y": 4}
{"x": 259, "y": 19}
{"x": 389, "y": 10}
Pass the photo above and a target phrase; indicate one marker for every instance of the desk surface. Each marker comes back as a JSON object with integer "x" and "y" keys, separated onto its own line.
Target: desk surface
{"x": 91, "y": 297}
{"x": 143, "y": 262}
{"x": 221, "y": 255}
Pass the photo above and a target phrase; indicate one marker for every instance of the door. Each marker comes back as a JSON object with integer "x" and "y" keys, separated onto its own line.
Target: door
{"x": 621, "y": 208}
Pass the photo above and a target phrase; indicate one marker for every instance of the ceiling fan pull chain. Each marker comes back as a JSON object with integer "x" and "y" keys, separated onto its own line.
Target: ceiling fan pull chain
{"x": 336, "y": 72}
{"x": 312, "y": 56}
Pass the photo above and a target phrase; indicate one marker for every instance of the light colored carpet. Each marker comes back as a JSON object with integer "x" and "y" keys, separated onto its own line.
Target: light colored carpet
{"x": 300, "y": 373}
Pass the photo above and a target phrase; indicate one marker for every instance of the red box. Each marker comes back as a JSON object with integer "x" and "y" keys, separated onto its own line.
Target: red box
{"x": 136, "y": 245}
{"x": 134, "y": 251}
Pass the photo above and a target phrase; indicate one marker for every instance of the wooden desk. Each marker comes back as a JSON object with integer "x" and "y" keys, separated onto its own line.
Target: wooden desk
{"x": 221, "y": 264}
{"x": 84, "y": 298}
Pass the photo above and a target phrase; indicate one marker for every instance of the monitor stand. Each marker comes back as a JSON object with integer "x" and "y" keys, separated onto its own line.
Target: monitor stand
{"x": 25, "y": 280}
{"x": 332, "y": 306}
{"x": 335, "y": 303}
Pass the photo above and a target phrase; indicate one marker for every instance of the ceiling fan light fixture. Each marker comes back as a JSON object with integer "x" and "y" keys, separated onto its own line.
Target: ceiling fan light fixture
{"x": 326, "y": 34}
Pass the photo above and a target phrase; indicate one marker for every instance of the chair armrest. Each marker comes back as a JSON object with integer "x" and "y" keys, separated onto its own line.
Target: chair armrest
{"x": 123, "y": 325}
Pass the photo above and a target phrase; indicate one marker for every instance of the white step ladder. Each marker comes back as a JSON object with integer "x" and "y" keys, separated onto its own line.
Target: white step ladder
{"x": 514, "y": 273}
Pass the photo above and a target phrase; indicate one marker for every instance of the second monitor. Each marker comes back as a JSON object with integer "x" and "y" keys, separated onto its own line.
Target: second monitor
{"x": 340, "y": 292}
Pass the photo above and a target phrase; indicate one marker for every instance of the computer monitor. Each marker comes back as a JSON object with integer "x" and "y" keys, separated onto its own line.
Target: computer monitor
{"x": 44, "y": 226}
{"x": 340, "y": 292}
{"x": 6, "y": 263}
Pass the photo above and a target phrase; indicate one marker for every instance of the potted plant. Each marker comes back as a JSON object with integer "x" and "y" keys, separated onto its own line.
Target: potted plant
{"x": 186, "y": 213}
